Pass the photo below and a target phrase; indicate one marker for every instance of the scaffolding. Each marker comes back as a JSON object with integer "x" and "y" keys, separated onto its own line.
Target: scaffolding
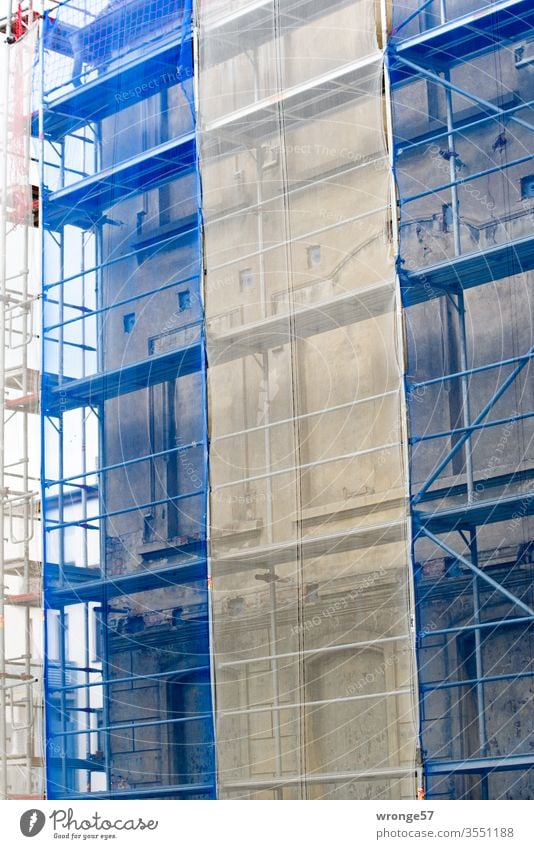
{"x": 124, "y": 417}
{"x": 125, "y": 427}
{"x": 21, "y": 761}
{"x": 462, "y": 97}
{"x": 339, "y": 603}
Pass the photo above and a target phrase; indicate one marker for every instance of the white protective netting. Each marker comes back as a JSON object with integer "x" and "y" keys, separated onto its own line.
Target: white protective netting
{"x": 314, "y": 676}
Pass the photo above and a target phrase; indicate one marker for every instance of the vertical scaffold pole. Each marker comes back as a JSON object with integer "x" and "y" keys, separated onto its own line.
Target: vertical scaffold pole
{"x": 3, "y": 306}
{"x": 418, "y": 788}
{"x": 479, "y": 665}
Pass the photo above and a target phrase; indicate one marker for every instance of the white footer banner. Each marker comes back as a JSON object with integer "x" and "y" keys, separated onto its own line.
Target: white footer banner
{"x": 268, "y": 825}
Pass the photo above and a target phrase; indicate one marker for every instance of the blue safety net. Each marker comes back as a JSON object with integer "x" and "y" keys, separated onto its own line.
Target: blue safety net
{"x": 461, "y": 76}
{"x": 128, "y": 696}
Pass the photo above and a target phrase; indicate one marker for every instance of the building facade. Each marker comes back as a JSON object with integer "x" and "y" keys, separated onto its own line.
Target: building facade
{"x": 286, "y": 407}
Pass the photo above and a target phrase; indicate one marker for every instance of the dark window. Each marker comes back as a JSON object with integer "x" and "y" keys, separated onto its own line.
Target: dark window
{"x": 527, "y": 187}
{"x": 184, "y": 300}
{"x": 314, "y": 256}
{"x": 129, "y": 322}
{"x": 245, "y": 279}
